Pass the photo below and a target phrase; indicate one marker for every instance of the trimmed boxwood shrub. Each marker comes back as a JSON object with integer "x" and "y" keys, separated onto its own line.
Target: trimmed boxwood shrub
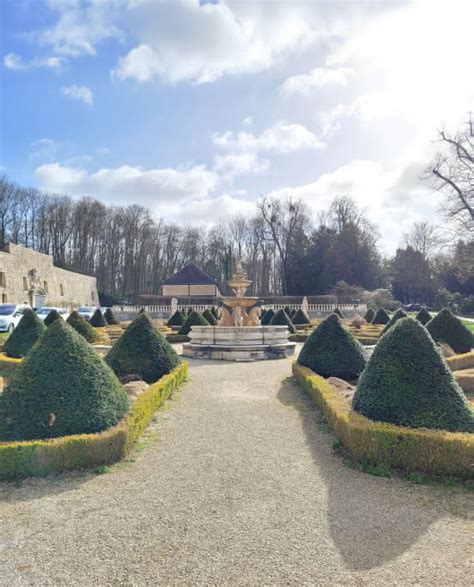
{"x": 338, "y": 312}
{"x": 398, "y": 314}
{"x": 300, "y": 317}
{"x": 110, "y": 317}
{"x": 82, "y": 326}
{"x": 52, "y": 317}
{"x": 281, "y": 319}
{"x": 215, "y": 312}
{"x": 29, "y": 329}
{"x": 142, "y": 351}
{"x": 267, "y": 317}
{"x": 408, "y": 382}
{"x": 62, "y": 387}
{"x": 423, "y": 316}
{"x": 369, "y": 315}
{"x": 177, "y": 319}
{"x": 194, "y": 319}
{"x": 445, "y": 327}
{"x": 381, "y": 317}
{"x": 97, "y": 319}
{"x": 332, "y": 351}
{"x": 209, "y": 316}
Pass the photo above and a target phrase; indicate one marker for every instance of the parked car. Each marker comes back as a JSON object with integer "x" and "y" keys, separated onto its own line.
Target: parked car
{"x": 86, "y": 312}
{"x": 10, "y": 315}
{"x": 45, "y": 310}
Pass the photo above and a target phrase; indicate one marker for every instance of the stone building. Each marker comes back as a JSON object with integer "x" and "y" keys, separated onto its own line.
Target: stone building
{"x": 191, "y": 281}
{"x": 27, "y": 276}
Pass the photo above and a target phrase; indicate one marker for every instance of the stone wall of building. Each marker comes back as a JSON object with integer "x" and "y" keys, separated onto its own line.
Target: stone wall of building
{"x": 27, "y": 276}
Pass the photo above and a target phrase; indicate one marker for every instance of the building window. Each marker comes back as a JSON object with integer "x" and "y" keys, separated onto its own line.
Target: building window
{"x": 61, "y": 289}
{"x": 45, "y": 286}
{"x": 3, "y": 279}
{"x": 4, "y": 298}
{"x": 25, "y": 284}
{"x": 93, "y": 296}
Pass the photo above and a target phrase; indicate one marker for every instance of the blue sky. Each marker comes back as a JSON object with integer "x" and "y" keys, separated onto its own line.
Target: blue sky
{"x": 195, "y": 110}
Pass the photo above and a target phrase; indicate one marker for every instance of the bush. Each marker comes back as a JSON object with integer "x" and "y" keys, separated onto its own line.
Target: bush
{"x": 194, "y": 319}
{"x": 300, "y": 317}
{"x": 281, "y": 319}
{"x": 398, "y": 314}
{"x": 287, "y": 310}
{"x": 408, "y": 382}
{"x": 62, "y": 387}
{"x": 381, "y": 317}
{"x": 339, "y": 313}
{"x": 142, "y": 351}
{"x": 52, "y": 317}
{"x": 423, "y": 316}
{"x": 82, "y": 326}
{"x": 268, "y": 317}
{"x": 445, "y": 327}
{"x": 215, "y": 312}
{"x": 369, "y": 315}
{"x": 177, "y": 319}
{"x": 110, "y": 317}
{"x": 97, "y": 320}
{"x": 332, "y": 351}
{"x": 209, "y": 316}
{"x": 29, "y": 329}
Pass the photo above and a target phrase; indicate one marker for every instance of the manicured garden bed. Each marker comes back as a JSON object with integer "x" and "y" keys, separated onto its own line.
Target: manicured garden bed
{"x": 41, "y": 457}
{"x": 434, "y": 452}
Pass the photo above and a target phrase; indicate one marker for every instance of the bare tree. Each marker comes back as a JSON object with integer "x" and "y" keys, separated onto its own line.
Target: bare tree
{"x": 425, "y": 238}
{"x": 452, "y": 174}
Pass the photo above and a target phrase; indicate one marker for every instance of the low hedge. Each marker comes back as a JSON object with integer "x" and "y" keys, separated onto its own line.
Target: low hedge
{"x": 177, "y": 338}
{"x": 464, "y": 361}
{"x": 8, "y": 364}
{"x": 434, "y": 452}
{"x": 465, "y": 379}
{"x": 41, "y": 457}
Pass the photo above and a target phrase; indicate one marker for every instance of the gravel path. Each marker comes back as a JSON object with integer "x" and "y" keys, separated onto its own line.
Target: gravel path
{"x": 238, "y": 485}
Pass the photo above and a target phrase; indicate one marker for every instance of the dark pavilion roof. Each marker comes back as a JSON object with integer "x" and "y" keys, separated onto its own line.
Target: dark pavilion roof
{"x": 190, "y": 274}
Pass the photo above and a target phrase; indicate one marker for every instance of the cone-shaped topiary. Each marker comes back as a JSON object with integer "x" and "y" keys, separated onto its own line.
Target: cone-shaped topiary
{"x": 194, "y": 319}
{"x": 381, "y": 317}
{"x": 52, "y": 317}
{"x": 423, "y": 316}
{"x": 332, "y": 351}
{"x": 209, "y": 316}
{"x": 177, "y": 319}
{"x": 142, "y": 351}
{"x": 215, "y": 311}
{"x": 281, "y": 319}
{"x": 408, "y": 382}
{"x": 369, "y": 315}
{"x": 29, "y": 329}
{"x": 395, "y": 317}
{"x": 300, "y": 317}
{"x": 82, "y": 326}
{"x": 445, "y": 327}
{"x": 110, "y": 317}
{"x": 339, "y": 313}
{"x": 267, "y": 318}
{"x": 62, "y": 387}
{"x": 262, "y": 314}
{"x": 287, "y": 310}
{"x": 97, "y": 320}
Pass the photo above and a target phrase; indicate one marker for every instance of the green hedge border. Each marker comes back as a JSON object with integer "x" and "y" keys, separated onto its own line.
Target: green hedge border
{"x": 8, "y": 364}
{"x": 434, "y": 452}
{"x": 41, "y": 457}
{"x": 459, "y": 362}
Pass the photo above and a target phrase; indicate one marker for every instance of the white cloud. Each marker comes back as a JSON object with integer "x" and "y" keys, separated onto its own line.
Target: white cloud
{"x": 15, "y": 62}
{"x": 317, "y": 78}
{"x": 201, "y": 42}
{"x": 230, "y": 165}
{"x": 126, "y": 184}
{"x": 282, "y": 137}
{"x": 44, "y": 148}
{"x": 80, "y": 93}
{"x": 207, "y": 211}
{"x": 80, "y": 26}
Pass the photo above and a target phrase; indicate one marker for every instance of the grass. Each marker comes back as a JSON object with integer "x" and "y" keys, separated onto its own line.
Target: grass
{"x": 468, "y": 325}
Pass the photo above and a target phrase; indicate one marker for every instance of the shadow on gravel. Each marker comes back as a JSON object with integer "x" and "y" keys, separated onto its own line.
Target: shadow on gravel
{"x": 372, "y": 520}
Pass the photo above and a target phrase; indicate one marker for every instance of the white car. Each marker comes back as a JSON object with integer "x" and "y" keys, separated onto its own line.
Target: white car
{"x": 86, "y": 312}
{"x": 45, "y": 310}
{"x": 10, "y": 315}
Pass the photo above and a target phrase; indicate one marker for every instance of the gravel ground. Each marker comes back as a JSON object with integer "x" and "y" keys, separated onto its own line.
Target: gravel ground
{"x": 237, "y": 484}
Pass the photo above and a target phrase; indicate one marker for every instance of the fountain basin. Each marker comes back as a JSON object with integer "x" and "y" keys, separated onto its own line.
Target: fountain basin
{"x": 239, "y": 343}
{"x": 246, "y": 302}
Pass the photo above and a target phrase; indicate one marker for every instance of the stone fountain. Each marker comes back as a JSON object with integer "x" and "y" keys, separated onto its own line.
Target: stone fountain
{"x": 239, "y": 336}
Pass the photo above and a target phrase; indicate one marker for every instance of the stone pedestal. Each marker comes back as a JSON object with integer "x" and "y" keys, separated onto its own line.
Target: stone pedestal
{"x": 239, "y": 343}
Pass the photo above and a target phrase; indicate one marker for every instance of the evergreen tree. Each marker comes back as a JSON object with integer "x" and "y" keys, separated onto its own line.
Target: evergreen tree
{"x": 423, "y": 316}
{"x": 381, "y": 317}
{"x": 110, "y": 317}
{"x": 300, "y": 317}
{"x": 398, "y": 314}
{"x": 369, "y": 315}
{"x": 82, "y": 326}
{"x": 194, "y": 319}
{"x": 445, "y": 327}
{"x": 177, "y": 319}
{"x": 209, "y": 316}
{"x": 29, "y": 329}
{"x": 339, "y": 313}
{"x": 52, "y": 317}
{"x": 268, "y": 317}
{"x": 97, "y": 320}
{"x": 281, "y": 319}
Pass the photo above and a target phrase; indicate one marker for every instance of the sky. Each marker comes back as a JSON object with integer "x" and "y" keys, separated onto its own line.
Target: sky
{"x": 197, "y": 109}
